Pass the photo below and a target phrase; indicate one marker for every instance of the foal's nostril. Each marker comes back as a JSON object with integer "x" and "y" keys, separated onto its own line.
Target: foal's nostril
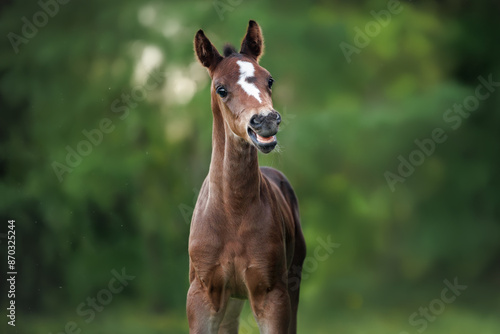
{"x": 278, "y": 118}
{"x": 275, "y": 116}
{"x": 256, "y": 122}
{"x": 265, "y": 124}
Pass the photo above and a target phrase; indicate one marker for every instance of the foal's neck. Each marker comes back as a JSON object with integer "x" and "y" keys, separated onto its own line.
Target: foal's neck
{"x": 234, "y": 169}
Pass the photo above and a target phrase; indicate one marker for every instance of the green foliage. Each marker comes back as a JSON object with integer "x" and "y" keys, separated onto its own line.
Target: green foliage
{"x": 128, "y": 202}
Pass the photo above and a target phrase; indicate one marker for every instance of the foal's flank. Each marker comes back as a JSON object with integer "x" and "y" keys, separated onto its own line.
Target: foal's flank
{"x": 245, "y": 230}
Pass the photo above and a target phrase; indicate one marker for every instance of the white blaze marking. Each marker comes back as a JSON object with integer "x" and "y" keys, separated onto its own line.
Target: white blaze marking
{"x": 247, "y": 71}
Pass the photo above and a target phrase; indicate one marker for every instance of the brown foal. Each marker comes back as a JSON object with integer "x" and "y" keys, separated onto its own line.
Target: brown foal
{"x": 245, "y": 232}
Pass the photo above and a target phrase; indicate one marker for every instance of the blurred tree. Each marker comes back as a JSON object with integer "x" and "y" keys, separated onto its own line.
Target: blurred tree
{"x": 116, "y": 83}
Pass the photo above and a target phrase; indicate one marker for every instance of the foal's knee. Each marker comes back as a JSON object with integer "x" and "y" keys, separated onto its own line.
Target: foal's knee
{"x": 272, "y": 310}
{"x": 204, "y": 316}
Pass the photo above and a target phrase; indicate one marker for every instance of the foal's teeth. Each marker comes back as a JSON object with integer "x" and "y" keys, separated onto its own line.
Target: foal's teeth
{"x": 266, "y": 139}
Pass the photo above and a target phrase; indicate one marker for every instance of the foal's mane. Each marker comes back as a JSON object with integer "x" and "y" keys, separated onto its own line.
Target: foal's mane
{"x": 229, "y": 50}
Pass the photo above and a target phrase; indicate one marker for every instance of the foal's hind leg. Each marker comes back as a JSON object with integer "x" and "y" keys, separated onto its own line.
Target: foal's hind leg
{"x": 293, "y": 292}
{"x": 231, "y": 319}
{"x": 294, "y": 279}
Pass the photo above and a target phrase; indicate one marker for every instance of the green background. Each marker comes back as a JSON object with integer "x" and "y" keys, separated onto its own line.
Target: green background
{"x": 346, "y": 120}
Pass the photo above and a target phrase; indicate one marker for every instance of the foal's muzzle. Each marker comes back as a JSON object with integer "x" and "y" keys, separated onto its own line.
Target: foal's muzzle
{"x": 262, "y": 130}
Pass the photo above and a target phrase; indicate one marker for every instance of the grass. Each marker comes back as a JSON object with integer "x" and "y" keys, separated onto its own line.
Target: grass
{"x": 453, "y": 320}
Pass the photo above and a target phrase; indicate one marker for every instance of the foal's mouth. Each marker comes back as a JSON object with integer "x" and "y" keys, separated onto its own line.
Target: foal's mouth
{"x": 264, "y": 144}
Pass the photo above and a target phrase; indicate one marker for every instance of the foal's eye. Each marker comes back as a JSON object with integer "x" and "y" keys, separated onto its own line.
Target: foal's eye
{"x": 221, "y": 91}
{"x": 270, "y": 82}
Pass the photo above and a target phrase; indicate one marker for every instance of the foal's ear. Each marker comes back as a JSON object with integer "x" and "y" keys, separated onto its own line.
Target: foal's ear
{"x": 207, "y": 53}
{"x": 253, "y": 42}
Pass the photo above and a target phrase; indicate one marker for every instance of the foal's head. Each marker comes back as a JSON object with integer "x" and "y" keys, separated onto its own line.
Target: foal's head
{"x": 241, "y": 88}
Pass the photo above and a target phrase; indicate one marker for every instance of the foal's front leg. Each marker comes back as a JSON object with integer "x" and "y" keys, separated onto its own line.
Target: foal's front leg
{"x": 271, "y": 308}
{"x": 203, "y": 317}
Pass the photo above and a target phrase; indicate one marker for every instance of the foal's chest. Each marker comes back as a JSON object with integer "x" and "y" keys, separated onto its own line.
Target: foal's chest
{"x": 227, "y": 261}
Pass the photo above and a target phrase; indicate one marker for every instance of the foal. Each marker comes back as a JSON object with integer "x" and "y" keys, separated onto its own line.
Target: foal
{"x": 245, "y": 232}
